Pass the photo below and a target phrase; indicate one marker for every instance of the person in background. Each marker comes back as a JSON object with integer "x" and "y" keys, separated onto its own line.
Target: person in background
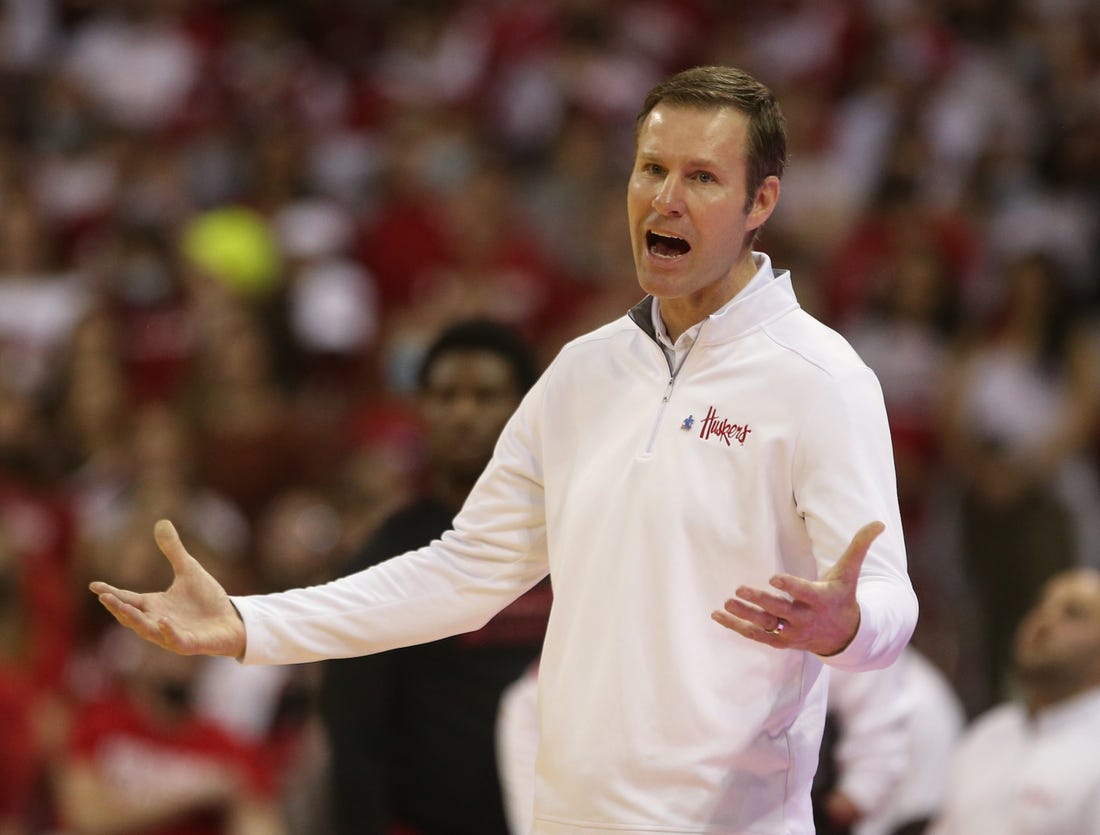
{"x": 35, "y": 637}
{"x": 516, "y": 737}
{"x": 1019, "y": 417}
{"x": 893, "y": 729}
{"x": 411, "y": 730}
{"x": 1030, "y": 766}
{"x": 715, "y": 450}
{"x": 141, "y": 762}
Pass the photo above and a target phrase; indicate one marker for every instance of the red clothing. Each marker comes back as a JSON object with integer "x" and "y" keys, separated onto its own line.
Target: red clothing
{"x": 135, "y": 755}
{"x": 21, "y": 764}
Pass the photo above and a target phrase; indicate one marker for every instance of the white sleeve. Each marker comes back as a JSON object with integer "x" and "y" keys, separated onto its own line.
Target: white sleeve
{"x": 517, "y": 743}
{"x": 844, "y": 478}
{"x": 874, "y": 711}
{"x": 495, "y": 552}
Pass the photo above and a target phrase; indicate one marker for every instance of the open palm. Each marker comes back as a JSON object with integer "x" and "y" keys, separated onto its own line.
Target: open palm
{"x": 818, "y": 616}
{"x": 193, "y": 617}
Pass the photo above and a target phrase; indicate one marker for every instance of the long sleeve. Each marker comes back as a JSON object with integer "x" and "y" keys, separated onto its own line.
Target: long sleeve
{"x": 495, "y": 552}
{"x": 844, "y": 478}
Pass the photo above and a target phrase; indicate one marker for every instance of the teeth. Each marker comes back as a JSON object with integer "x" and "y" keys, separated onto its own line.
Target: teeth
{"x": 666, "y": 246}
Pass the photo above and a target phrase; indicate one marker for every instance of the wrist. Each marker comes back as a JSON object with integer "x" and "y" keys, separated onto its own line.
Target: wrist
{"x": 239, "y": 640}
{"x": 848, "y": 642}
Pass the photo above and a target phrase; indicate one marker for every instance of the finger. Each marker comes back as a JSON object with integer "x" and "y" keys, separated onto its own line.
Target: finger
{"x": 131, "y": 617}
{"x": 847, "y": 568}
{"x": 131, "y": 597}
{"x": 747, "y": 629}
{"x": 779, "y": 605}
{"x": 168, "y": 540}
{"x": 752, "y": 614}
{"x": 797, "y": 588}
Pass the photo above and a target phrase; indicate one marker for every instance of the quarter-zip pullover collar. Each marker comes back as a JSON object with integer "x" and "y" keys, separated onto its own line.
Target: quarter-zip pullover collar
{"x": 768, "y": 294}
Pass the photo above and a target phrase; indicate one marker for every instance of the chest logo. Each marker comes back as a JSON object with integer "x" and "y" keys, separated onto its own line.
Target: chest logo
{"x": 718, "y": 428}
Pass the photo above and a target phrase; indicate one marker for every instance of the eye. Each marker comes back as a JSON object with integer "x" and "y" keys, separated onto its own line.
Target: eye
{"x": 705, "y": 177}
{"x": 1075, "y": 611}
{"x": 653, "y": 169}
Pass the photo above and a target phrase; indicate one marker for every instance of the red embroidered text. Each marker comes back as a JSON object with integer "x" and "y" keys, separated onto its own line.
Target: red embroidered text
{"x": 711, "y": 427}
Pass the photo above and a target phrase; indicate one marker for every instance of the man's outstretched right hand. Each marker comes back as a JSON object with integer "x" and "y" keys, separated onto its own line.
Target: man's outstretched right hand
{"x": 193, "y": 617}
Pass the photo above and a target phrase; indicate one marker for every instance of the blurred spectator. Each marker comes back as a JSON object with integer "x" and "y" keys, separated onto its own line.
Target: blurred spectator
{"x": 566, "y": 196}
{"x": 136, "y": 62}
{"x": 906, "y": 337}
{"x": 153, "y": 322}
{"x": 380, "y": 471}
{"x": 499, "y": 268}
{"x": 92, "y": 415}
{"x": 516, "y": 739}
{"x": 895, "y": 220}
{"x": 332, "y": 308}
{"x": 161, "y": 481}
{"x": 241, "y": 411}
{"x": 434, "y": 56}
{"x": 1020, "y": 413}
{"x": 29, "y": 32}
{"x": 411, "y": 730}
{"x": 141, "y": 761}
{"x": 890, "y": 732}
{"x": 273, "y": 708}
{"x": 40, "y": 300}
{"x": 1030, "y": 765}
{"x": 35, "y": 635}
{"x": 403, "y": 238}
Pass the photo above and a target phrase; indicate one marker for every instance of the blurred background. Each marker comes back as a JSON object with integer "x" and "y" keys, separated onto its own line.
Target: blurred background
{"x": 229, "y": 229}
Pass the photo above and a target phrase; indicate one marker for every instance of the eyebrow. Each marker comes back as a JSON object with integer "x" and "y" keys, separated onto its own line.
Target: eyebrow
{"x": 697, "y": 162}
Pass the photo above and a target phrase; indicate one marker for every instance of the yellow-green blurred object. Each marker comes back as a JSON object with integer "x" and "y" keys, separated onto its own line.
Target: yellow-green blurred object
{"x": 234, "y": 245}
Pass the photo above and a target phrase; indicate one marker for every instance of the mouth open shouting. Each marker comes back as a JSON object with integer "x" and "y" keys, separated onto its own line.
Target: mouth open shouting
{"x": 666, "y": 246}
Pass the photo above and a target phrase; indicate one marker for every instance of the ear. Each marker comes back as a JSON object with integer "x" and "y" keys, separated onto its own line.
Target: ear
{"x": 763, "y": 203}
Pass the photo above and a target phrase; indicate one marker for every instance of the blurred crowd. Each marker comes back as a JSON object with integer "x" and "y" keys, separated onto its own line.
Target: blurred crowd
{"x": 230, "y": 228}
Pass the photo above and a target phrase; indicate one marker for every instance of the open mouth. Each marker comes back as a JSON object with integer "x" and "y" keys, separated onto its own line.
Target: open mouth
{"x": 666, "y": 246}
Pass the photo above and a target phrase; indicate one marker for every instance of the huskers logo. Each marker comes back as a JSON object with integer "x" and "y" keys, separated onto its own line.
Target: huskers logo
{"x": 712, "y": 427}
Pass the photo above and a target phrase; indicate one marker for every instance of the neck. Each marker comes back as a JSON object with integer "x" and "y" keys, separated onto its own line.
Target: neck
{"x": 450, "y": 489}
{"x": 684, "y": 312}
{"x": 1047, "y": 695}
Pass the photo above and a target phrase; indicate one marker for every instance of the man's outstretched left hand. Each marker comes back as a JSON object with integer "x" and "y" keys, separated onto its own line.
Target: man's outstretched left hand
{"x": 818, "y": 616}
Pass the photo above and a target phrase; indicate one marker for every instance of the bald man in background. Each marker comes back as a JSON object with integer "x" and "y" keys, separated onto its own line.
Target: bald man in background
{"x": 1033, "y": 766}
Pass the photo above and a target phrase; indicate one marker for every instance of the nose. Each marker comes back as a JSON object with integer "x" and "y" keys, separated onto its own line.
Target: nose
{"x": 668, "y": 200}
{"x": 463, "y": 409}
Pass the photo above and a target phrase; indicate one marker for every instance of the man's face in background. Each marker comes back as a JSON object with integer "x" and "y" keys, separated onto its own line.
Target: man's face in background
{"x": 466, "y": 399}
{"x": 1059, "y": 638}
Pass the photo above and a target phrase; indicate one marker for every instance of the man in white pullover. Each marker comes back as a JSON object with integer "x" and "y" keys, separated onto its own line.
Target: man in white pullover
{"x": 1030, "y": 766}
{"x": 714, "y": 451}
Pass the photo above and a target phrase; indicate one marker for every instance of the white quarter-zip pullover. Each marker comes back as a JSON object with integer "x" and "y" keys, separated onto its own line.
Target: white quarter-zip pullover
{"x": 650, "y": 500}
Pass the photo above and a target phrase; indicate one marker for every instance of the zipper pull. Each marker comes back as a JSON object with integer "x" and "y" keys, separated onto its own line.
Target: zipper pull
{"x": 668, "y": 390}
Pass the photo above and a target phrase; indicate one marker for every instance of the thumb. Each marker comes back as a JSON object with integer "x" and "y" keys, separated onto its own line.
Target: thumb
{"x": 847, "y": 568}
{"x": 168, "y": 540}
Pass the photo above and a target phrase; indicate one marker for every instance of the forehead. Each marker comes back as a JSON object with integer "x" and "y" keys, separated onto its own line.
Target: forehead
{"x": 469, "y": 366}
{"x": 1081, "y": 588}
{"x": 714, "y": 133}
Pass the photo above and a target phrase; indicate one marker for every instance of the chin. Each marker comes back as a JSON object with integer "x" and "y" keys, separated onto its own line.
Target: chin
{"x": 662, "y": 288}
